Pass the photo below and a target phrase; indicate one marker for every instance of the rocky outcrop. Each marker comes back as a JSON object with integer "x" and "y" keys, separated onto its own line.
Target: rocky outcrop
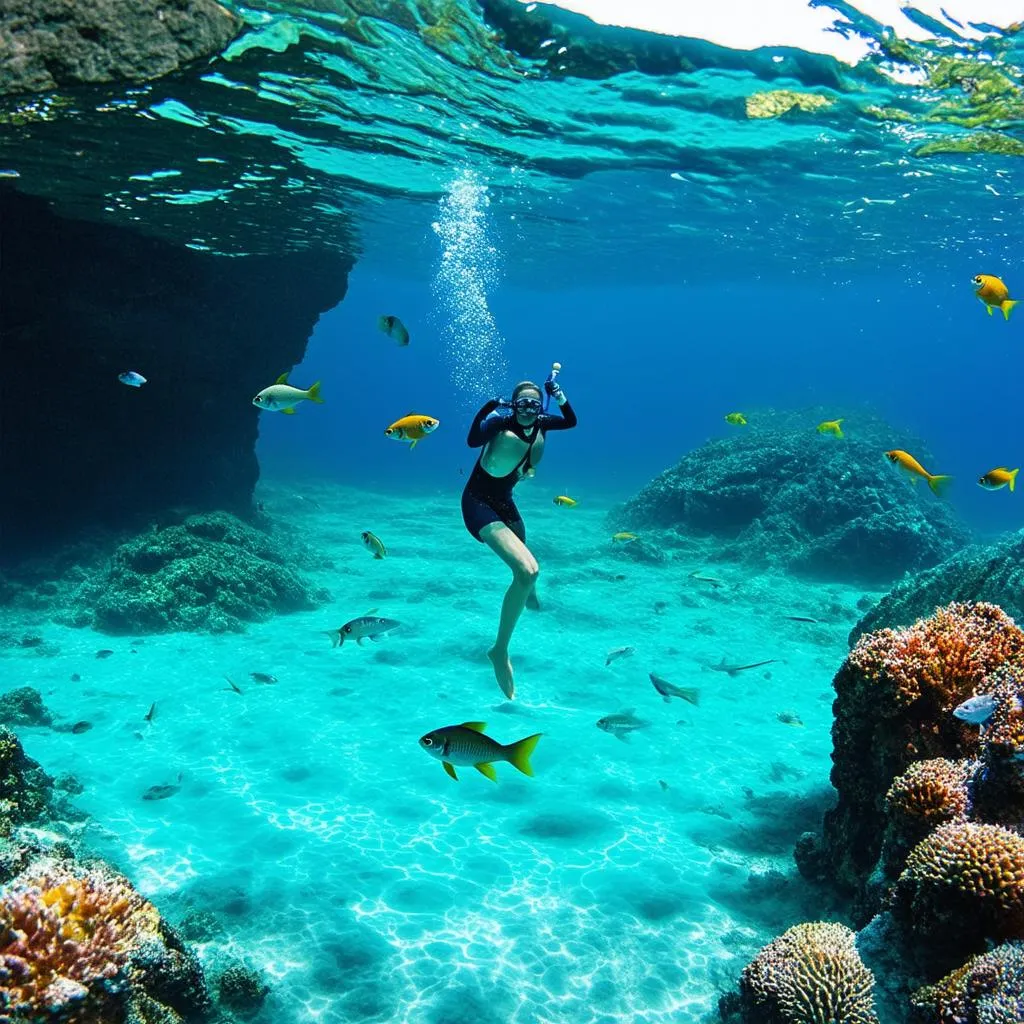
{"x": 984, "y": 572}
{"x": 48, "y": 44}
{"x": 779, "y": 493}
{"x": 84, "y": 302}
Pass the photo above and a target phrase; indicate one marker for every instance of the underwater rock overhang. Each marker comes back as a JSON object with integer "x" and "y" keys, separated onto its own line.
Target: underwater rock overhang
{"x": 80, "y": 302}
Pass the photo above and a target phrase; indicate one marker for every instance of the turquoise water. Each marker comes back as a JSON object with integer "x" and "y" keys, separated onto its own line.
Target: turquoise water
{"x": 371, "y": 887}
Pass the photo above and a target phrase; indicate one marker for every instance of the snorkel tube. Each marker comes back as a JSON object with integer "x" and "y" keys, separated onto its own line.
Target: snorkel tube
{"x": 556, "y": 368}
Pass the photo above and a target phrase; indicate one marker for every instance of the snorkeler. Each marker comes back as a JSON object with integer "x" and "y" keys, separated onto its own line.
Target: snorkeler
{"x": 512, "y": 437}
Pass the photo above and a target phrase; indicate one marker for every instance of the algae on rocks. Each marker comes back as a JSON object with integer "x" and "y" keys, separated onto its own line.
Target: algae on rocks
{"x": 210, "y": 573}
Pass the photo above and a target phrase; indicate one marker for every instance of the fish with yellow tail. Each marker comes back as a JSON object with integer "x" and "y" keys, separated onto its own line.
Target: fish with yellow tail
{"x": 366, "y": 627}
{"x": 994, "y": 294}
{"x": 282, "y": 397}
{"x": 995, "y": 479}
{"x": 565, "y": 501}
{"x": 411, "y": 429}
{"x": 374, "y": 544}
{"x": 623, "y": 538}
{"x": 737, "y": 419}
{"x": 831, "y": 427}
{"x": 915, "y": 471}
{"x": 466, "y": 745}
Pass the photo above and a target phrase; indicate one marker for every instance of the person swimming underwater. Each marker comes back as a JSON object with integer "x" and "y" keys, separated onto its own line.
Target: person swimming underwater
{"x": 512, "y": 436}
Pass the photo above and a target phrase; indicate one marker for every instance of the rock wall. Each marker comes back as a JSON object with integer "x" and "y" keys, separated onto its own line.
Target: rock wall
{"x": 82, "y": 302}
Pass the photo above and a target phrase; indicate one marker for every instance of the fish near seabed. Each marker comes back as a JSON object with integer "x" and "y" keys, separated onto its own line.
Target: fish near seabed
{"x": 374, "y": 544}
{"x": 282, "y": 397}
{"x": 622, "y": 723}
{"x": 618, "y": 652}
{"x": 412, "y": 428}
{"x": 737, "y": 419}
{"x": 564, "y": 501}
{"x": 831, "y": 427}
{"x": 977, "y": 710}
{"x": 994, "y": 294}
{"x": 915, "y": 471}
{"x": 669, "y": 690}
{"x": 366, "y": 627}
{"x": 466, "y": 745}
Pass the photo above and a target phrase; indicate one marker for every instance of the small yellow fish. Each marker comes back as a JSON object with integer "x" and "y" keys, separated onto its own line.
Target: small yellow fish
{"x": 737, "y": 419}
{"x": 914, "y": 470}
{"x": 623, "y": 538}
{"x": 412, "y": 428}
{"x": 995, "y": 479}
{"x": 375, "y": 544}
{"x": 993, "y": 292}
{"x": 830, "y": 427}
{"x": 565, "y": 501}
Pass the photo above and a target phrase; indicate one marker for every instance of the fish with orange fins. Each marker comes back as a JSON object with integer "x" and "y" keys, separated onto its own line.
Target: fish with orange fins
{"x": 831, "y": 427}
{"x": 412, "y": 429}
{"x": 993, "y": 293}
{"x": 995, "y": 479}
{"x": 915, "y": 471}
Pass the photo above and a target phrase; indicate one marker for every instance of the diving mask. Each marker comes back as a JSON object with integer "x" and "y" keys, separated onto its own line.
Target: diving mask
{"x": 527, "y": 405}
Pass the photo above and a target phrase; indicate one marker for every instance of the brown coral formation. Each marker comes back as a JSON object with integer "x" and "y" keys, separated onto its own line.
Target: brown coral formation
{"x": 928, "y": 794}
{"x": 895, "y": 695}
{"x": 811, "y": 974}
{"x": 999, "y": 787}
{"x": 988, "y": 989}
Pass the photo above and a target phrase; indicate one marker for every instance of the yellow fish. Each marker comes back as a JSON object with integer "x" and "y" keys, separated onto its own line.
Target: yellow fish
{"x": 623, "y": 538}
{"x": 993, "y": 292}
{"x": 830, "y": 427}
{"x": 994, "y": 479}
{"x": 565, "y": 501}
{"x": 737, "y": 419}
{"x": 412, "y": 428}
{"x": 914, "y": 469}
{"x": 373, "y": 543}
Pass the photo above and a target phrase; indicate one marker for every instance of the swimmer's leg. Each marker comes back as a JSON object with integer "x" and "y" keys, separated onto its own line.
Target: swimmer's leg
{"x": 518, "y": 527}
{"x": 516, "y": 555}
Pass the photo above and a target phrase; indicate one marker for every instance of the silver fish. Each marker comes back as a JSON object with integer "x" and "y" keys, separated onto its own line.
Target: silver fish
{"x": 467, "y": 745}
{"x": 669, "y": 690}
{"x": 366, "y": 627}
{"x": 622, "y": 723}
{"x": 977, "y": 709}
{"x": 618, "y": 652}
{"x": 131, "y": 378}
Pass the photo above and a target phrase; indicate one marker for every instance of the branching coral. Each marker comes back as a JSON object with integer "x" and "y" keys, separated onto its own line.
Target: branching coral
{"x": 895, "y": 695}
{"x": 963, "y": 885}
{"x": 988, "y": 989}
{"x": 67, "y": 934}
{"x": 811, "y": 974}
{"x": 928, "y": 794}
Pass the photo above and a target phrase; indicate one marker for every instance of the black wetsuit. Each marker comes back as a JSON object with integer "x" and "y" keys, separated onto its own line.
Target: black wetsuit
{"x": 488, "y": 499}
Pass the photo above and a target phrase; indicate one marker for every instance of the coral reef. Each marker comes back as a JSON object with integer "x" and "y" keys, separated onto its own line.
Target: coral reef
{"x": 241, "y": 988}
{"x": 998, "y": 791}
{"x": 25, "y": 789}
{"x": 44, "y": 45}
{"x": 983, "y": 572}
{"x": 811, "y": 974}
{"x": 211, "y": 572}
{"x": 895, "y": 694}
{"x": 79, "y": 943}
{"x": 23, "y": 706}
{"x": 781, "y": 494}
{"x": 988, "y": 989}
{"x": 928, "y": 794}
{"x": 963, "y": 886}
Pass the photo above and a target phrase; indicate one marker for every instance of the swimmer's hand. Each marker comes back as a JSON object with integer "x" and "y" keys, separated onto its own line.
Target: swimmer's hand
{"x": 554, "y": 389}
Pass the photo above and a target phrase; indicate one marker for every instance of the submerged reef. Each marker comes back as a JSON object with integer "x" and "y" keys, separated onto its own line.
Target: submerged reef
{"x": 983, "y": 572}
{"x": 44, "y": 45}
{"x": 209, "y": 573}
{"x": 25, "y": 789}
{"x": 926, "y": 837}
{"x": 779, "y": 493}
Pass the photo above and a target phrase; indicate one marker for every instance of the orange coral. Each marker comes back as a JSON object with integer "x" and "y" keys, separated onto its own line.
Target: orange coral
{"x": 963, "y": 885}
{"x": 811, "y": 974}
{"x": 928, "y": 793}
{"x": 66, "y": 936}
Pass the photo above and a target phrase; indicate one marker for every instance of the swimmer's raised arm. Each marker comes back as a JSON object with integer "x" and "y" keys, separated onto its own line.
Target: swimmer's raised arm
{"x": 493, "y": 417}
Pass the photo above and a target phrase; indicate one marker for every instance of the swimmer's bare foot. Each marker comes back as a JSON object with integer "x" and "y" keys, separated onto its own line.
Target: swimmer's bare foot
{"x": 503, "y": 671}
{"x": 531, "y": 601}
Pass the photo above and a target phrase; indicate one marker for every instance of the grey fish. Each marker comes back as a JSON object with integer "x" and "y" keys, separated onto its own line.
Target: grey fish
{"x": 234, "y": 686}
{"x": 262, "y": 677}
{"x": 731, "y": 670}
{"x": 789, "y": 718}
{"x": 79, "y": 727}
{"x": 618, "y": 652}
{"x": 977, "y": 709}
{"x": 622, "y": 723}
{"x": 394, "y": 329}
{"x": 105, "y": 653}
{"x": 800, "y": 618}
{"x": 151, "y": 713}
{"x": 162, "y": 792}
{"x": 467, "y": 745}
{"x": 366, "y": 627}
{"x": 668, "y": 690}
